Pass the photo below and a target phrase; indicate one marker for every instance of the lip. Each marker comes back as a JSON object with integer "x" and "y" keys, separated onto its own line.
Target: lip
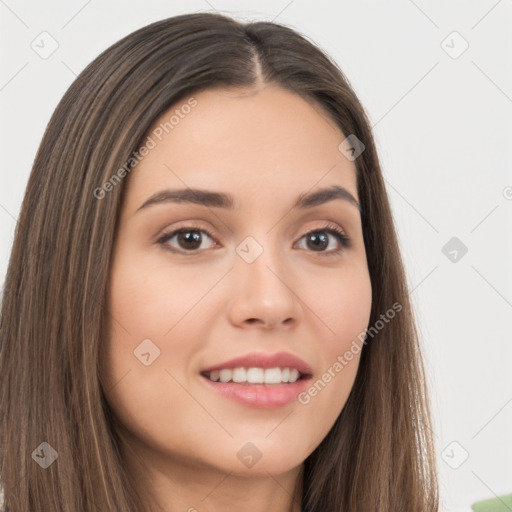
{"x": 262, "y": 360}
{"x": 263, "y": 396}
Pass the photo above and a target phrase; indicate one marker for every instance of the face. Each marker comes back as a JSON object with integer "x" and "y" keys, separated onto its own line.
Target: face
{"x": 263, "y": 280}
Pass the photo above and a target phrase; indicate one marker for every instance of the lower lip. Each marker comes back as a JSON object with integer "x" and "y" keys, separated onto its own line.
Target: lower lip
{"x": 264, "y": 396}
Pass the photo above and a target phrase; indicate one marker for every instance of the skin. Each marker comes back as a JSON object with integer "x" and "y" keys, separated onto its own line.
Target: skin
{"x": 265, "y": 147}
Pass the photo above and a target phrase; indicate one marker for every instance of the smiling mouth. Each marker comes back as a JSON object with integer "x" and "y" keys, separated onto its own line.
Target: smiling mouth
{"x": 251, "y": 376}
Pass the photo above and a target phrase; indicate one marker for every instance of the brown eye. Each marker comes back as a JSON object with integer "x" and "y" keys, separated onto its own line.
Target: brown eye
{"x": 193, "y": 239}
{"x": 188, "y": 239}
{"x": 318, "y": 239}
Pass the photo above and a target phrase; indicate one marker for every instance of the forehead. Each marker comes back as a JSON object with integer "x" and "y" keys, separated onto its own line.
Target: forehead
{"x": 264, "y": 144}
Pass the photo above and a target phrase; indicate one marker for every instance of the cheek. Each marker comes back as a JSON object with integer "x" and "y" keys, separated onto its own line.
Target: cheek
{"x": 145, "y": 398}
{"x": 151, "y": 300}
{"x": 343, "y": 306}
{"x": 342, "y": 303}
{"x": 351, "y": 315}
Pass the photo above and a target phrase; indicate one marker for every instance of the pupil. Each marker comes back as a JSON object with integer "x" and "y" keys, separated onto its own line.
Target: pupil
{"x": 195, "y": 239}
{"x": 319, "y": 240}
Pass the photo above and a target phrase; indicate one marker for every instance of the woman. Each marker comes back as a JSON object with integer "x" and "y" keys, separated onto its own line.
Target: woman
{"x": 205, "y": 307}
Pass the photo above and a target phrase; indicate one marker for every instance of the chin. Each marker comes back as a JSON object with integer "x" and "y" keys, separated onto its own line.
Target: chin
{"x": 260, "y": 458}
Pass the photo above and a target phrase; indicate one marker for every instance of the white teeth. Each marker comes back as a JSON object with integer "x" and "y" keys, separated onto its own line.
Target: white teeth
{"x": 272, "y": 376}
{"x": 255, "y": 375}
{"x": 294, "y": 375}
{"x": 239, "y": 375}
{"x": 225, "y": 375}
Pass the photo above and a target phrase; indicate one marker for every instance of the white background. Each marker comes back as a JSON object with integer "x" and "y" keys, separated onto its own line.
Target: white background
{"x": 443, "y": 129}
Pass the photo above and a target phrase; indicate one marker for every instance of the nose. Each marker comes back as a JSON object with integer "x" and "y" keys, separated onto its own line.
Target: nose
{"x": 263, "y": 295}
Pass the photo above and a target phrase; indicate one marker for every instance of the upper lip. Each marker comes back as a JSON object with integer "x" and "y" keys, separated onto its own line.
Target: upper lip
{"x": 263, "y": 360}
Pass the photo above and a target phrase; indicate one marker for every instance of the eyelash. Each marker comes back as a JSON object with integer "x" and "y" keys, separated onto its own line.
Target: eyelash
{"x": 332, "y": 229}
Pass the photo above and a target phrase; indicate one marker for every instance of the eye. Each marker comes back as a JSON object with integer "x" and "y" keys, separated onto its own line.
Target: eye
{"x": 189, "y": 239}
{"x": 318, "y": 240}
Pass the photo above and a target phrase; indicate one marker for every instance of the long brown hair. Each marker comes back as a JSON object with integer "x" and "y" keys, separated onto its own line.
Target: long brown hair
{"x": 378, "y": 456}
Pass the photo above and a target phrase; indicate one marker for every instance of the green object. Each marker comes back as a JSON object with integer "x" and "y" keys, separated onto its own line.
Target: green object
{"x": 500, "y": 504}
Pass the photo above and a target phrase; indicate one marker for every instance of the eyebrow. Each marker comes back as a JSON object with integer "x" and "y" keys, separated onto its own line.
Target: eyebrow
{"x": 222, "y": 200}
